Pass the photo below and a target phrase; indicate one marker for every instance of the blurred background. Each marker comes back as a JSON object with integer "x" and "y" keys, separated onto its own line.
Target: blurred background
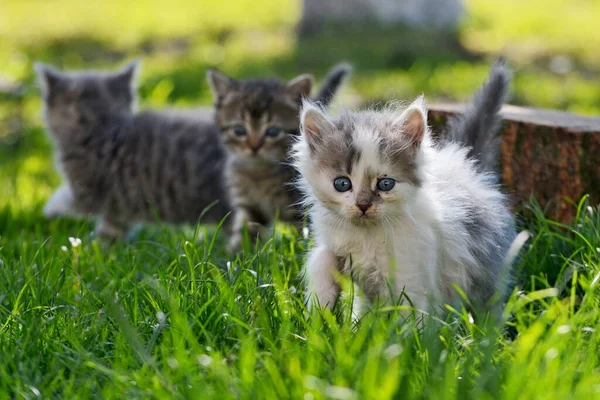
{"x": 399, "y": 49}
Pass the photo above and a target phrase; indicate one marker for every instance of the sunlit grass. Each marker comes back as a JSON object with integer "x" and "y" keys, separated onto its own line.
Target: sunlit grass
{"x": 168, "y": 315}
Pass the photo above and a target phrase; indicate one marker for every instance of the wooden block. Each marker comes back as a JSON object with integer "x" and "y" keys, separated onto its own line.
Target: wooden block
{"x": 552, "y": 156}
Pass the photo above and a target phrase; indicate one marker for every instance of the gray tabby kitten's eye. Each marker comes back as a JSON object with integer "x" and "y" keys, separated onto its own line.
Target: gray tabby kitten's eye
{"x": 272, "y": 131}
{"x": 386, "y": 184}
{"x": 239, "y": 130}
{"x": 342, "y": 184}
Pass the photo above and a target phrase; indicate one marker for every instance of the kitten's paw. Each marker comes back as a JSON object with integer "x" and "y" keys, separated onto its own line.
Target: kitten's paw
{"x": 235, "y": 243}
{"x": 50, "y": 212}
{"x": 60, "y": 204}
{"x": 108, "y": 230}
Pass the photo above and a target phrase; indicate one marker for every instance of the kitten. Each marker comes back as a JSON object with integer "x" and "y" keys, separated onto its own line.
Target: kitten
{"x": 400, "y": 214}
{"x": 258, "y": 119}
{"x": 127, "y": 167}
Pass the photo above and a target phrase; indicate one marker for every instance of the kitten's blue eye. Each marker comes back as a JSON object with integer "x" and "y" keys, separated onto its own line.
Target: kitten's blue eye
{"x": 386, "y": 184}
{"x": 342, "y": 184}
{"x": 239, "y": 130}
{"x": 272, "y": 131}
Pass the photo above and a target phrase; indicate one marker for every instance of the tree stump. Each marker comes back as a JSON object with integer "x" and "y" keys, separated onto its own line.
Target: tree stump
{"x": 552, "y": 156}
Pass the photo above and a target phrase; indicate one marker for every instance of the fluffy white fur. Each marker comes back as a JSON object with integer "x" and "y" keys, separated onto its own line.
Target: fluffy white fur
{"x": 451, "y": 227}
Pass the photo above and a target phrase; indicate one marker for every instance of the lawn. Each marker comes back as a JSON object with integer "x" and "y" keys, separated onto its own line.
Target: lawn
{"x": 170, "y": 315}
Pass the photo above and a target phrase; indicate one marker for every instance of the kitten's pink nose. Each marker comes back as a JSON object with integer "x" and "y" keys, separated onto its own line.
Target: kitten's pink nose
{"x": 363, "y": 207}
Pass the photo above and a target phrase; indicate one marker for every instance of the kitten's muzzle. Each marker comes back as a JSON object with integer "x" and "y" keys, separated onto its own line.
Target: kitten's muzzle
{"x": 364, "y": 207}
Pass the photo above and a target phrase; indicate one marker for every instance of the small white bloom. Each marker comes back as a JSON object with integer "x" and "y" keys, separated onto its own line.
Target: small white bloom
{"x": 161, "y": 317}
{"x": 75, "y": 242}
{"x": 564, "y": 329}
{"x": 204, "y": 360}
{"x": 339, "y": 392}
{"x": 393, "y": 351}
{"x": 173, "y": 363}
{"x": 551, "y": 354}
{"x": 305, "y": 232}
{"x": 64, "y": 248}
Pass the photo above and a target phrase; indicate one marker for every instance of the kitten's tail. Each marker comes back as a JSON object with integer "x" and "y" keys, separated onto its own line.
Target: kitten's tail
{"x": 336, "y": 76}
{"x": 479, "y": 127}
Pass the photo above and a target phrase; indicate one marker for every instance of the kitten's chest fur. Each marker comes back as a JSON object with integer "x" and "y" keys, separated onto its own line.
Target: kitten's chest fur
{"x": 265, "y": 188}
{"x": 380, "y": 259}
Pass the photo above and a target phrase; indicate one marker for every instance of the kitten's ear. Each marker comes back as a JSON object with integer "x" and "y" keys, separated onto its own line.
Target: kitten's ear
{"x": 48, "y": 77}
{"x": 314, "y": 123}
{"x": 220, "y": 84}
{"x": 125, "y": 78}
{"x": 413, "y": 122}
{"x": 300, "y": 86}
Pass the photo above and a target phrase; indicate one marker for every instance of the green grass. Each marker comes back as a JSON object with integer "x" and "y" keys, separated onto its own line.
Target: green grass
{"x": 168, "y": 316}
{"x": 164, "y": 317}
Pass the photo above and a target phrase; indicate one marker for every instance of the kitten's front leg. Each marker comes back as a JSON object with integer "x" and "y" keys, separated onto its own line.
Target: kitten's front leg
{"x": 62, "y": 203}
{"x": 320, "y": 271}
{"x": 108, "y": 228}
{"x": 243, "y": 217}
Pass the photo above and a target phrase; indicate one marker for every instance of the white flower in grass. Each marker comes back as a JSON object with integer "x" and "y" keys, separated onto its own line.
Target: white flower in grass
{"x": 393, "y": 351}
{"x": 305, "y": 232}
{"x": 64, "y": 248}
{"x": 173, "y": 363}
{"x": 161, "y": 317}
{"x": 564, "y": 329}
{"x": 340, "y": 392}
{"x": 75, "y": 242}
{"x": 204, "y": 360}
{"x": 551, "y": 354}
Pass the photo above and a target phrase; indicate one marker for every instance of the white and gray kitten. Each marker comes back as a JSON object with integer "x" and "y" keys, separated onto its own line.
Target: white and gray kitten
{"x": 400, "y": 214}
{"x": 126, "y": 167}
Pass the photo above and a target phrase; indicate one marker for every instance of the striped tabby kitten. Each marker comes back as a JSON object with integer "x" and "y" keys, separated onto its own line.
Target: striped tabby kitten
{"x": 259, "y": 119}
{"x": 127, "y": 167}
{"x": 401, "y": 214}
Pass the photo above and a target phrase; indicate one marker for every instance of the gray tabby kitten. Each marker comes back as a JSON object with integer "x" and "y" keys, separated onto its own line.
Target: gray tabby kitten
{"x": 400, "y": 214}
{"x": 259, "y": 119}
{"x": 127, "y": 167}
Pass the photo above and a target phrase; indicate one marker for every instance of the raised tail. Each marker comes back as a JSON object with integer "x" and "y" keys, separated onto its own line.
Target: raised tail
{"x": 479, "y": 127}
{"x": 336, "y": 76}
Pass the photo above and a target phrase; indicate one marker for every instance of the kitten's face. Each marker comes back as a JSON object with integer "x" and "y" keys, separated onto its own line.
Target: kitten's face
{"x": 363, "y": 168}
{"x": 258, "y": 118}
{"x": 77, "y": 101}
